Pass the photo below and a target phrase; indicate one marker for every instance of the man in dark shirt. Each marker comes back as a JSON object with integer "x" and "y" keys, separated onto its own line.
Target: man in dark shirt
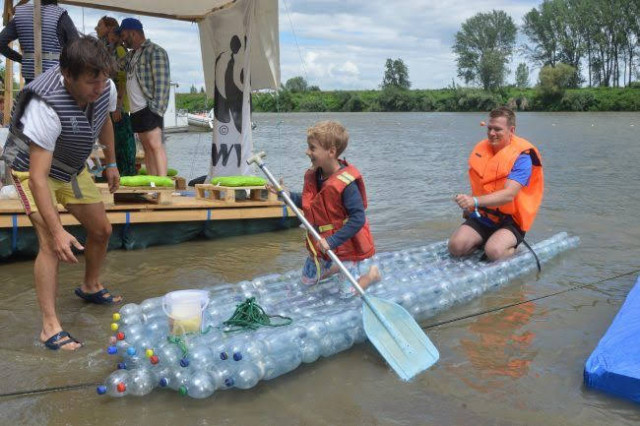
{"x": 64, "y": 29}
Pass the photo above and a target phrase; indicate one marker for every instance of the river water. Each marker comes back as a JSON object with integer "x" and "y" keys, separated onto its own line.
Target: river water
{"x": 521, "y": 365}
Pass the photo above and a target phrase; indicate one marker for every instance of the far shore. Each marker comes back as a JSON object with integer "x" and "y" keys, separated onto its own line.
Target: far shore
{"x": 439, "y": 100}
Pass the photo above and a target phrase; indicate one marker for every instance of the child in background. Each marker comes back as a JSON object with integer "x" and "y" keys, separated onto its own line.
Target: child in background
{"x": 334, "y": 200}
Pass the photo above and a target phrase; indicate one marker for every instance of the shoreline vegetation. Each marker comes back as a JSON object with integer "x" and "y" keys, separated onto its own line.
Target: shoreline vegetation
{"x": 587, "y": 53}
{"x": 453, "y": 99}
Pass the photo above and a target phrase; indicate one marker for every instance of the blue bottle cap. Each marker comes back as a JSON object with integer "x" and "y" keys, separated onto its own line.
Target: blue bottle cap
{"x": 112, "y": 350}
{"x": 223, "y": 356}
{"x": 131, "y": 351}
{"x": 184, "y": 362}
{"x": 164, "y": 382}
{"x": 237, "y": 356}
{"x": 122, "y": 366}
{"x": 228, "y": 382}
{"x": 101, "y": 390}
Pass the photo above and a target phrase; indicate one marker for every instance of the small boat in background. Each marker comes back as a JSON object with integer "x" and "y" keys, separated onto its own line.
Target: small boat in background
{"x": 202, "y": 119}
{"x": 205, "y": 119}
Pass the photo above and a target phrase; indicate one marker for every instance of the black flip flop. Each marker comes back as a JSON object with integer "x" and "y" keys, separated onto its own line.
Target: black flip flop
{"x": 60, "y": 339}
{"x": 98, "y": 297}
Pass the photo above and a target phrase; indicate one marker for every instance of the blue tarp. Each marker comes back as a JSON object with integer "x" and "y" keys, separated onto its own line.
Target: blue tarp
{"x": 614, "y": 366}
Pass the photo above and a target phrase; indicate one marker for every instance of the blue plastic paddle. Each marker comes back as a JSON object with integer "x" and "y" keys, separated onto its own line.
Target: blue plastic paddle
{"x": 391, "y": 329}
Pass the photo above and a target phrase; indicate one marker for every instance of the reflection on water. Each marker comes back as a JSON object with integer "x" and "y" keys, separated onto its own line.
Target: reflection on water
{"x": 500, "y": 347}
{"x": 522, "y": 365}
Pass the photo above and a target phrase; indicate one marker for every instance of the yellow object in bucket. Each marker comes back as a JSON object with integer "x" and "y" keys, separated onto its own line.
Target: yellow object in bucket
{"x": 185, "y": 310}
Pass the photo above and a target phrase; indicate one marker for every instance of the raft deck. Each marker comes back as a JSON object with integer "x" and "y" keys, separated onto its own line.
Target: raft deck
{"x": 139, "y": 217}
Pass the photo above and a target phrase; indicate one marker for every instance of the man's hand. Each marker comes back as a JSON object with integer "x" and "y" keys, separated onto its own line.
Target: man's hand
{"x": 464, "y": 201}
{"x": 62, "y": 243}
{"x": 113, "y": 178}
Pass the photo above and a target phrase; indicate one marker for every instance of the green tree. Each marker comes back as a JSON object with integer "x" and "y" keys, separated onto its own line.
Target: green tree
{"x": 522, "y": 76}
{"x": 296, "y": 84}
{"x": 554, "y": 81}
{"x": 396, "y": 74}
{"x": 484, "y": 46}
{"x": 555, "y": 35}
{"x": 193, "y": 89}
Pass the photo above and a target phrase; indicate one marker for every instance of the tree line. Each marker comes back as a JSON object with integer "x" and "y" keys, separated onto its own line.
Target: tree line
{"x": 587, "y": 51}
{"x": 597, "y": 39}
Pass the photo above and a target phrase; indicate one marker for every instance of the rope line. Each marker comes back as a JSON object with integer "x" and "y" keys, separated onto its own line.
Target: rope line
{"x": 438, "y": 324}
{"x": 511, "y": 305}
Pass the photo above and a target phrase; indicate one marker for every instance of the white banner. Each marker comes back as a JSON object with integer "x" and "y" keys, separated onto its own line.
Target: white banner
{"x": 227, "y": 38}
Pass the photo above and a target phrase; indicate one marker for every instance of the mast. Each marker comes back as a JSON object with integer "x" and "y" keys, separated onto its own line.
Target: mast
{"x": 8, "y": 68}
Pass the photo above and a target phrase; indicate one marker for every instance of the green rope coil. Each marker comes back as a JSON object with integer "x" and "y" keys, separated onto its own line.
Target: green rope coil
{"x": 179, "y": 342}
{"x": 250, "y": 315}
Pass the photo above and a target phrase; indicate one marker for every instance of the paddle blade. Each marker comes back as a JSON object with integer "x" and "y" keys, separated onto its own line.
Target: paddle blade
{"x": 398, "y": 337}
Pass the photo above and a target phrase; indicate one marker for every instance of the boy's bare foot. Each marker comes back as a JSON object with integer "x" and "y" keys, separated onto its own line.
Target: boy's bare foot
{"x": 372, "y": 276}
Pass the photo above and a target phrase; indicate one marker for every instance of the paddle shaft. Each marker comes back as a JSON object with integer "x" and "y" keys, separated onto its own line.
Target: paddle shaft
{"x": 257, "y": 158}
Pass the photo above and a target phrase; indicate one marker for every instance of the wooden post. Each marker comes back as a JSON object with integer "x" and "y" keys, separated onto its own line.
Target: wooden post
{"x": 8, "y": 69}
{"x": 37, "y": 37}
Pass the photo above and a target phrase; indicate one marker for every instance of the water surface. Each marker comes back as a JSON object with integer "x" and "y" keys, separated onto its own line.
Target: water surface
{"x": 521, "y": 365}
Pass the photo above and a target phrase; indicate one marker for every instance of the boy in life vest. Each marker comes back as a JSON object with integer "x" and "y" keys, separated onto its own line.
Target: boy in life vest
{"x": 507, "y": 184}
{"x": 333, "y": 200}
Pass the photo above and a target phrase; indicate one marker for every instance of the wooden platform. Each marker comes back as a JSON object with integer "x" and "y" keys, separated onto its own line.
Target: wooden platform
{"x": 155, "y": 195}
{"x": 179, "y": 209}
{"x": 229, "y": 193}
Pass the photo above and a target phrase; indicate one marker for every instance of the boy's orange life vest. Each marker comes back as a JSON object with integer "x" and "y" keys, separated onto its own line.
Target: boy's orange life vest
{"x": 488, "y": 173}
{"x": 325, "y": 211}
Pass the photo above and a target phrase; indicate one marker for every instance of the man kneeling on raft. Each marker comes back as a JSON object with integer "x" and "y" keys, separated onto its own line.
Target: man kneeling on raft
{"x": 507, "y": 183}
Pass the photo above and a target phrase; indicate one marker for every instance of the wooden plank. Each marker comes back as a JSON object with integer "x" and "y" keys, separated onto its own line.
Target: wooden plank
{"x": 162, "y": 216}
{"x": 37, "y": 37}
{"x": 210, "y": 192}
{"x": 177, "y": 203}
{"x": 8, "y": 69}
{"x": 162, "y": 193}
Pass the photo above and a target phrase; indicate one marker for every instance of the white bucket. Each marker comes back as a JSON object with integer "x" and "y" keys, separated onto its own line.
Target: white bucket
{"x": 185, "y": 309}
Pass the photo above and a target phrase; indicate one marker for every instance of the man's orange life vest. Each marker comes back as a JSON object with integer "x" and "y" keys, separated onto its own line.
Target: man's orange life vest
{"x": 488, "y": 173}
{"x": 325, "y": 211}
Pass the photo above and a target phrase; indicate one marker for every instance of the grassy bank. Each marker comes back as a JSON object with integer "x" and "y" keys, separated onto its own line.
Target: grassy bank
{"x": 452, "y": 100}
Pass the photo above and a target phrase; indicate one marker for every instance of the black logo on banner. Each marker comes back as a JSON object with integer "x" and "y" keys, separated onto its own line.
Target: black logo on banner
{"x": 224, "y": 153}
{"x": 229, "y": 106}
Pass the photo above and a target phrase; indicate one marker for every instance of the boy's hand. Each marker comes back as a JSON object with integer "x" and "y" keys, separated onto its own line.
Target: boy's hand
{"x": 324, "y": 245}
{"x": 273, "y": 189}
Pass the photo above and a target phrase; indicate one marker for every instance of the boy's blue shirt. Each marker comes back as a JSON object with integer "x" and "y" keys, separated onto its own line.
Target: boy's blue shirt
{"x": 353, "y": 204}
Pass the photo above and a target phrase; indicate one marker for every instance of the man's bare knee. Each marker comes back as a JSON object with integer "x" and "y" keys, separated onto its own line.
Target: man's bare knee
{"x": 100, "y": 233}
{"x": 495, "y": 252}
{"x": 457, "y": 248}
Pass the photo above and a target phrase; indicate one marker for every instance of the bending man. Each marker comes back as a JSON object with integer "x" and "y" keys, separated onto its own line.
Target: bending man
{"x": 507, "y": 184}
{"x": 53, "y": 127}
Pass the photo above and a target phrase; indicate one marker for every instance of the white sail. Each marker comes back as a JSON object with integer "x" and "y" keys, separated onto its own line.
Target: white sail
{"x": 240, "y": 51}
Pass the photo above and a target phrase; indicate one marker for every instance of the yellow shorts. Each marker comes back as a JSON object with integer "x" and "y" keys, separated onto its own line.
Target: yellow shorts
{"x": 61, "y": 192}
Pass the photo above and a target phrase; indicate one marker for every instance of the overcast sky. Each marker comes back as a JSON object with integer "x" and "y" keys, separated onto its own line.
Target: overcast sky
{"x": 341, "y": 44}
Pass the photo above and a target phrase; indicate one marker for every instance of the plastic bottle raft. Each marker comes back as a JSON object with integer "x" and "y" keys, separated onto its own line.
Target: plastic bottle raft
{"x": 326, "y": 320}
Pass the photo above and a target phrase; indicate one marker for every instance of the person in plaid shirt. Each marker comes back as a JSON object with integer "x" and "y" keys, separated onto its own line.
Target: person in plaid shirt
{"x": 147, "y": 66}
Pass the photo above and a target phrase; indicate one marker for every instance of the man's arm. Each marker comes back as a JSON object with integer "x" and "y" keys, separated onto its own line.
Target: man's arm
{"x": 66, "y": 30}
{"x": 495, "y": 199}
{"x": 8, "y": 34}
{"x": 39, "y": 165}
{"x": 106, "y": 138}
{"x": 161, "y": 77}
